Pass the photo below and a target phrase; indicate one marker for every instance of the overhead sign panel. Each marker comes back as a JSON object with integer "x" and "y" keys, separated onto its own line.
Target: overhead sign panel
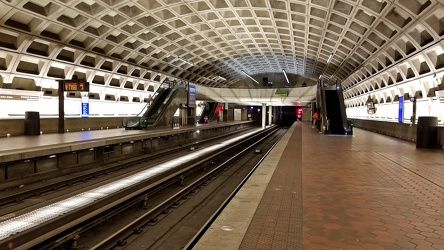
{"x": 281, "y": 93}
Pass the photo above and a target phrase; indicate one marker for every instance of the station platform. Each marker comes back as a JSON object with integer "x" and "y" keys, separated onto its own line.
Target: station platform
{"x": 29, "y": 159}
{"x": 315, "y": 191}
{"x": 29, "y": 146}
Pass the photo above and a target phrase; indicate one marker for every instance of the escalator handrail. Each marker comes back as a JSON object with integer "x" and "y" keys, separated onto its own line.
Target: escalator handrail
{"x": 211, "y": 108}
{"x": 134, "y": 122}
{"x": 148, "y": 103}
{"x": 324, "y": 117}
{"x": 345, "y": 123}
{"x": 207, "y": 107}
{"x": 154, "y": 102}
{"x": 165, "y": 103}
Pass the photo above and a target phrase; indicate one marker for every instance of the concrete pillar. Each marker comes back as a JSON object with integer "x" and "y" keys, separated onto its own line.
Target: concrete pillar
{"x": 191, "y": 115}
{"x": 264, "y": 114}
{"x": 237, "y": 114}
{"x": 183, "y": 116}
{"x": 225, "y": 115}
{"x": 270, "y": 114}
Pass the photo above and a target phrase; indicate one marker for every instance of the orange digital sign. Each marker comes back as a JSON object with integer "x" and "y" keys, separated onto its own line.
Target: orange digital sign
{"x": 75, "y": 86}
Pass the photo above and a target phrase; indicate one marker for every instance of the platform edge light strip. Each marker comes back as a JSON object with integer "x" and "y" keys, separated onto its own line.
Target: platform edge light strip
{"x": 41, "y": 215}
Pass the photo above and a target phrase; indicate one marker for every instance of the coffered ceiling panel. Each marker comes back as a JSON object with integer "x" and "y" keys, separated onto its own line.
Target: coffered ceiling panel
{"x": 210, "y": 42}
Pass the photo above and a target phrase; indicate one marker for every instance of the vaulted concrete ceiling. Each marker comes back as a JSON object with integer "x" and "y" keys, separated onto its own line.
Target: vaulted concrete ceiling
{"x": 210, "y": 42}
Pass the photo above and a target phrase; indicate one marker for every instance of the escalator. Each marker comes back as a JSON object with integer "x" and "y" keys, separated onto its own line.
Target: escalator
{"x": 208, "y": 113}
{"x": 163, "y": 115}
{"x": 334, "y": 112}
{"x": 160, "y": 109}
{"x": 157, "y": 102}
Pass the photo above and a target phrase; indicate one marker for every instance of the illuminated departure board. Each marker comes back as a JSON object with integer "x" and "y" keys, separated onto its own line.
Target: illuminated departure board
{"x": 75, "y": 86}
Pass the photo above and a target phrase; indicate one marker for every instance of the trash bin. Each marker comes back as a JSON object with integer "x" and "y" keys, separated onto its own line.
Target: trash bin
{"x": 32, "y": 123}
{"x": 427, "y": 132}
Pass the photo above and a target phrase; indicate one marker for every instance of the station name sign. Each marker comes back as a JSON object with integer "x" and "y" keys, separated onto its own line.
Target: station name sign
{"x": 192, "y": 95}
{"x": 15, "y": 94}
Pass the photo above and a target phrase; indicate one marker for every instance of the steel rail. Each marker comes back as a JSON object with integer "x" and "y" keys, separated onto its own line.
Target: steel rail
{"x": 210, "y": 221}
{"x": 21, "y": 194}
{"x": 44, "y": 231}
{"x": 136, "y": 225}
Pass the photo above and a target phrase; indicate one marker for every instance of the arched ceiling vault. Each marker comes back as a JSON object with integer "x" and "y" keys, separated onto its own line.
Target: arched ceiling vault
{"x": 210, "y": 42}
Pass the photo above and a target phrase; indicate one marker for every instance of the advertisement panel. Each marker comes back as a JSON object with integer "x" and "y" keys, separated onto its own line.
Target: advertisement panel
{"x": 191, "y": 95}
{"x": 401, "y": 109}
{"x": 85, "y": 106}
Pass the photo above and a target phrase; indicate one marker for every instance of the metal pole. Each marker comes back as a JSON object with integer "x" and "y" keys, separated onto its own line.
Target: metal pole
{"x": 264, "y": 113}
{"x": 414, "y": 111}
{"x": 61, "y": 127}
{"x": 270, "y": 114}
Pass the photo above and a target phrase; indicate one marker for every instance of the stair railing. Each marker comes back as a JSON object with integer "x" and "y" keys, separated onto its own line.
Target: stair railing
{"x": 134, "y": 121}
{"x": 324, "y": 115}
{"x": 345, "y": 123}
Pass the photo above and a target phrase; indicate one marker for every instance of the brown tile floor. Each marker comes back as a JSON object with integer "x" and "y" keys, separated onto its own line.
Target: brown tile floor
{"x": 365, "y": 191}
{"x": 277, "y": 222}
{"x": 371, "y": 191}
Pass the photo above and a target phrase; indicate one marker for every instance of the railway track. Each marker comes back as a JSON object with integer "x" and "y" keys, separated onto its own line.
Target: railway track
{"x": 177, "y": 209}
{"x": 43, "y": 186}
{"x": 63, "y": 229}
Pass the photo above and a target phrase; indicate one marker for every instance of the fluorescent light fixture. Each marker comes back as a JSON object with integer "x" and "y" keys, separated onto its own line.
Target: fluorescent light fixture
{"x": 254, "y": 80}
{"x": 368, "y": 13}
{"x": 329, "y": 58}
{"x": 222, "y": 78}
{"x": 286, "y": 78}
{"x": 320, "y": 77}
{"x": 185, "y": 61}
